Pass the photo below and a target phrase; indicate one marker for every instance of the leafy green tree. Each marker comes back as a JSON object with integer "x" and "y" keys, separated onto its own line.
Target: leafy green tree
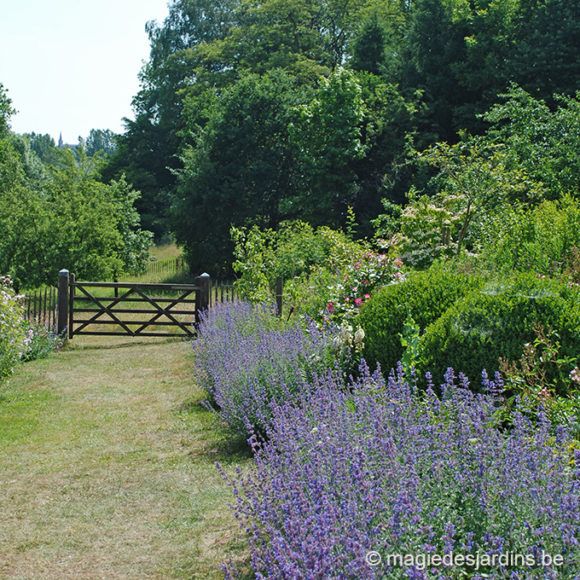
{"x": 489, "y": 46}
{"x": 270, "y": 149}
{"x": 383, "y": 171}
{"x": 434, "y": 46}
{"x": 148, "y": 152}
{"x": 239, "y": 170}
{"x": 100, "y": 141}
{"x": 6, "y": 111}
{"x": 541, "y": 140}
{"x": 378, "y": 39}
{"x": 69, "y": 220}
{"x": 44, "y": 147}
{"x": 545, "y": 58}
{"x": 328, "y": 139}
{"x": 34, "y": 170}
{"x": 369, "y": 46}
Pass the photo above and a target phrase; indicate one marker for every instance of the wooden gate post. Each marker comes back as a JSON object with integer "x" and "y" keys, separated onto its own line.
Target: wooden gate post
{"x": 202, "y": 295}
{"x": 279, "y": 293}
{"x": 63, "y": 282}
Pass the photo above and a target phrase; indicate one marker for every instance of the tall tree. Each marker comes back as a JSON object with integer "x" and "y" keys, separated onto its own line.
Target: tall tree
{"x": 100, "y": 141}
{"x": 147, "y": 152}
{"x": 369, "y": 46}
{"x": 328, "y": 140}
{"x": 44, "y": 146}
{"x": 63, "y": 217}
{"x": 434, "y": 47}
{"x": 547, "y": 38}
{"x": 239, "y": 170}
{"x": 6, "y": 111}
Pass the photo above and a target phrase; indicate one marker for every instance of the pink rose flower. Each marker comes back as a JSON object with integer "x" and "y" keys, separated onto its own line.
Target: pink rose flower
{"x": 358, "y": 301}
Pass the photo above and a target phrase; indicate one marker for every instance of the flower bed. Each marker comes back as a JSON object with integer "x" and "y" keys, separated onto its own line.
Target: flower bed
{"x": 12, "y": 334}
{"x": 247, "y": 357}
{"x": 361, "y": 278}
{"x": 348, "y": 483}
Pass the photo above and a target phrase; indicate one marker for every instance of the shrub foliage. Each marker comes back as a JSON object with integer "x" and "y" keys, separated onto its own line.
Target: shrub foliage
{"x": 498, "y": 321}
{"x": 12, "y": 335}
{"x": 424, "y": 296}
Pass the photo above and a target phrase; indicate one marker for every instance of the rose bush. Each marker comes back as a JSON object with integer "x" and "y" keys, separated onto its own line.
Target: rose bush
{"x": 12, "y": 332}
{"x": 369, "y": 273}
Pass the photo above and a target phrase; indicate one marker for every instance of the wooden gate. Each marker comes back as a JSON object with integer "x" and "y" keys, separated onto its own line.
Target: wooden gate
{"x": 133, "y": 309}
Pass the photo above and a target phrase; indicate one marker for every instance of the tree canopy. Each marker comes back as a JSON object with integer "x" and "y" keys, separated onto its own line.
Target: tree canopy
{"x": 260, "y": 110}
{"x": 57, "y": 213}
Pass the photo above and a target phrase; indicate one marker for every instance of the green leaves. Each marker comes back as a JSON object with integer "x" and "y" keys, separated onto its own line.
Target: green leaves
{"x": 6, "y": 111}
{"x": 67, "y": 219}
{"x": 327, "y": 138}
{"x": 12, "y": 335}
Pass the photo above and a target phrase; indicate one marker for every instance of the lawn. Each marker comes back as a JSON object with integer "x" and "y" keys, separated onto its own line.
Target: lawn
{"x": 107, "y": 467}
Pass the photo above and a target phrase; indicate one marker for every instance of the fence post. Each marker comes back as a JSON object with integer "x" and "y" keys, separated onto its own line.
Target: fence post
{"x": 202, "y": 295}
{"x": 279, "y": 292}
{"x": 63, "y": 282}
{"x": 71, "y": 305}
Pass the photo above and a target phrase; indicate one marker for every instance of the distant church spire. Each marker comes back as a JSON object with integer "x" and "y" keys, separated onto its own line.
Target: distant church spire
{"x": 60, "y": 143}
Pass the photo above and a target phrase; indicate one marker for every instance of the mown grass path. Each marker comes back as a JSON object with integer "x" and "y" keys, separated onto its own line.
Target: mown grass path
{"x": 107, "y": 467}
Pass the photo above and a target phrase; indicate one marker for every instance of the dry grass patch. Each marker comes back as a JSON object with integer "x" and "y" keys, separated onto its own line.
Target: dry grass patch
{"x": 107, "y": 467}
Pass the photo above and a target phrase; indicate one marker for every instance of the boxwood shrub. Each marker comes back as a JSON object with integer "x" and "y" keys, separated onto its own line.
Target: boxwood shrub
{"x": 424, "y": 295}
{"x": 497, "y": 321}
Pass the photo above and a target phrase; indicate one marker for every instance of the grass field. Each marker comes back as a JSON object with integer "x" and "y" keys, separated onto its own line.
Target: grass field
{"x": 107, "y": 467}
{"x": 165, "y": 251}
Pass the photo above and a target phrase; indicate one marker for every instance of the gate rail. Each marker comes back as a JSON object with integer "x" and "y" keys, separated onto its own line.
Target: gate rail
{"x": 79, "y": 298}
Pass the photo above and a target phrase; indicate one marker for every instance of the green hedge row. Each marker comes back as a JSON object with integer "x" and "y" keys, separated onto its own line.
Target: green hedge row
{"x": 467, "y": 323}
{"x": 423, "y": 295}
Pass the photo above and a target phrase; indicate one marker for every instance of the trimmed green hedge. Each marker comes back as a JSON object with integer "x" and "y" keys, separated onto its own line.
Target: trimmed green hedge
{"x": 423, "y": 295}
{"x": 498, "y": 321}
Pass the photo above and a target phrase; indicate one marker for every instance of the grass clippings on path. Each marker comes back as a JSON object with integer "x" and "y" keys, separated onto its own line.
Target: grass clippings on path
{"x": 107, "y": 467}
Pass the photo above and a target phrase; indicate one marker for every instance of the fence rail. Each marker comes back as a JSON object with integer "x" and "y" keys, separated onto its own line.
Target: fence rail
{"x": 40, "y": 307}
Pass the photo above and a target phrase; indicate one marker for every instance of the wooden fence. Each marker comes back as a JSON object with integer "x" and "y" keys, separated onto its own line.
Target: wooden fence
{"x": 227, "y": 292}
{"x": 54, "y": 308}
{"x": 222, "y": 292}
{"x": 40, "y": 307}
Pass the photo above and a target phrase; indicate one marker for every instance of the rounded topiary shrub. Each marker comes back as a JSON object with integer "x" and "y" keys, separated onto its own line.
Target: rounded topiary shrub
{"x": 425, "y": 296}
{"x": 496, "y": 322}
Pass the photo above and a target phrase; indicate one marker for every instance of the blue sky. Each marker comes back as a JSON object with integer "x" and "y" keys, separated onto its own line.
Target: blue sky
{"x": 72, "y": 65}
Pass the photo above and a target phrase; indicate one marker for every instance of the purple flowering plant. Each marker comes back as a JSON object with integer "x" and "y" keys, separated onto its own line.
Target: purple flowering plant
{"x": 247, "y": 358}
{"x": 379, "y": 469}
